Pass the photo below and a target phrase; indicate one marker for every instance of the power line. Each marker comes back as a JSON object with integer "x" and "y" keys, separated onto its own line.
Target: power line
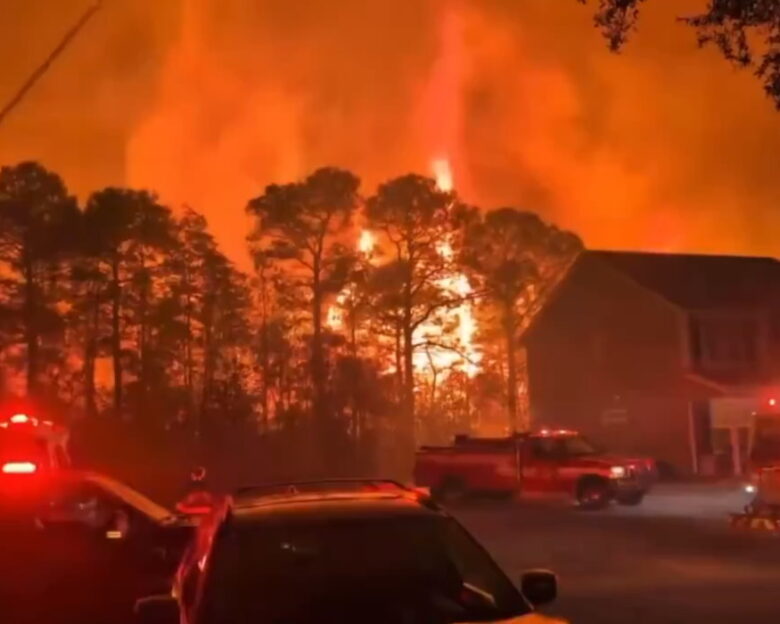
{"x": 43, "y": 68}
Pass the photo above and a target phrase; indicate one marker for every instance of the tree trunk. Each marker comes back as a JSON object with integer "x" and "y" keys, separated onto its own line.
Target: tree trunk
{"x": 317, "y": 355}
{"x": 434, "y": 381}
{"x": 353, "y": 322}
{"x": 143, "y": 332}
{"x": 31, "y": 328}
{"x": 116, "y": 338}
{"x": 265, "y": 360}
{"x": 208, "y": 374}
{"x": 408, "y": 442}
{"x": 188, "y": 360}
{"x": 510, "y": 334}
{"x": 321, "y": 429}
{"x": 399, "y": 362}
{"x": 90, "y": 355}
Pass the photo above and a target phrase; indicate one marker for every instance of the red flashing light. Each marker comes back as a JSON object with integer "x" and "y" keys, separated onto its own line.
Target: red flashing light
{"x": 19, "y": 468}
{"x": 20, "y": 419}
{"x": 772, "y": 402}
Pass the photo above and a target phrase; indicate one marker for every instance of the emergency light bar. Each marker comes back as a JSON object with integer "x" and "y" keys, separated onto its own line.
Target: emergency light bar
{"x": 19, "y": 468}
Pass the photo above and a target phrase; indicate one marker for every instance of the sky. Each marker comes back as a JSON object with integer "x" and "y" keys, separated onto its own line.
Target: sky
{"x": 663, "y": 147}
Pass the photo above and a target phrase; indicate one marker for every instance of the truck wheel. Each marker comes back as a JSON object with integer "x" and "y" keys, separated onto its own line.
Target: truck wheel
{"x": 630, "y": 499}
{"x": 450, "y": 490}
{"x": 593, "y": 493}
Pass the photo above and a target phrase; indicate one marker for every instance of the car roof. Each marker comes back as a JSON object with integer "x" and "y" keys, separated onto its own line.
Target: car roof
{"x": 308, "y": 507}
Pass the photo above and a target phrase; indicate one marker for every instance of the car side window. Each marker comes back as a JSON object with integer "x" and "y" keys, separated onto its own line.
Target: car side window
{"x": 545, "y": 448}
{"x": 478, "y": 570}
{"x": 81, "y": 502}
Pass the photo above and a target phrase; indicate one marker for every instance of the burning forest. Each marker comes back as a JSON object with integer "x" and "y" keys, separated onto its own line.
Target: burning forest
{"x": 223, "y": 275}
{"x": 369, "y": 321}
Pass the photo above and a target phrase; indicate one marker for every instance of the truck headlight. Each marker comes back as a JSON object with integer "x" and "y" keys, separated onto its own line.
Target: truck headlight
{"x": 617, "y": 472}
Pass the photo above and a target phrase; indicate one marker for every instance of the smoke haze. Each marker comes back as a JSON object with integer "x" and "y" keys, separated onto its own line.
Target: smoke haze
{"x": 663, "y": 147}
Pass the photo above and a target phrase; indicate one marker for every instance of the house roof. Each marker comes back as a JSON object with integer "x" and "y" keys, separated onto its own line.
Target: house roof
{"x": 700, "y": 281}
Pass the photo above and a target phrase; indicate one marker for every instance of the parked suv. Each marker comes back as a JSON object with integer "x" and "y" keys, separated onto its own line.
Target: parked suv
{"x": 339, "y": 551}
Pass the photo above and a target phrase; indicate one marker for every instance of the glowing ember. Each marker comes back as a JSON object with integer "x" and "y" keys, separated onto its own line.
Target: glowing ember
{"x": 443, "y": 174}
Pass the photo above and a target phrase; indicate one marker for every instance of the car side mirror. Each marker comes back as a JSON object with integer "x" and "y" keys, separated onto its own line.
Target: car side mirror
{"x": 160, "y": 609}
{"x": 540, "y": 587}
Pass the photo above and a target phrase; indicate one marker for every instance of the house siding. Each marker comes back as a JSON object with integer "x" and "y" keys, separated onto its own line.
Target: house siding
{"x": 607, "y": 357}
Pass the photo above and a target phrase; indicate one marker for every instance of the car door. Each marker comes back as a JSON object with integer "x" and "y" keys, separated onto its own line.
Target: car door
{"x": 119, "y": 558}
{"x": 540, "y": 475}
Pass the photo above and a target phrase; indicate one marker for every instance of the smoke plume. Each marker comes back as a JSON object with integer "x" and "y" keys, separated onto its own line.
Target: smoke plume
{"x": 663, "y": 147}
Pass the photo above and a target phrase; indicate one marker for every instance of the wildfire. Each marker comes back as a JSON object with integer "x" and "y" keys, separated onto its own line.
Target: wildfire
{"x": 443, "y": 174}
{"x": 462, "y": 352}
{"x": 335, "y": 315}
{"x": 366, "y": 242}
{"x": 450, "y": 334}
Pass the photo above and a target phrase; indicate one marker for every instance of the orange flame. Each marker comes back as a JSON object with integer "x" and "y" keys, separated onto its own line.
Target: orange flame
{"x": 446, "y": 352}
{"x": 462, "y": 352}
{"x": 443, "y": 174}
{"x": 366, "y": 242}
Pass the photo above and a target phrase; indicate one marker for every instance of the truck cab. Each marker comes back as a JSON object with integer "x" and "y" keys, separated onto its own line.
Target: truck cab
{"x": 546, "y": 463}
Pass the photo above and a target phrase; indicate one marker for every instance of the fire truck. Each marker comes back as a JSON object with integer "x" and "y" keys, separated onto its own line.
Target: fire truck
{"x": 548, "y": 463}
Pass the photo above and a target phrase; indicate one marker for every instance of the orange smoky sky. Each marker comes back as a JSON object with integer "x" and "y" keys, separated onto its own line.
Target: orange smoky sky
{"x": 663, "y": 147}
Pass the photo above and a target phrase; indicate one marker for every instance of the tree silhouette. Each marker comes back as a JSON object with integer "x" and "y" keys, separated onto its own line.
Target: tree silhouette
{"x": 125, "y": 227}
{"x": 511, "y": 256}
{"x": 199, "y": 348}
{"x": 38, "y": 222}
{"x": 196, "y": 247}
{"x": 89, "y": 292}
{"x": 416, "y": 220}
{"x": 304, "y": 226}
{"x": 745, "y": 32}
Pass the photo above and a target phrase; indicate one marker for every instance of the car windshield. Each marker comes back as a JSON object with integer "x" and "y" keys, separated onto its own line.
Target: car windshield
{"x": 415, "y": 569}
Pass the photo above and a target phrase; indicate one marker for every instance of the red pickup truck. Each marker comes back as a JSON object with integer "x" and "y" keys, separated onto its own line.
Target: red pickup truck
{"x": 528, "y": 465}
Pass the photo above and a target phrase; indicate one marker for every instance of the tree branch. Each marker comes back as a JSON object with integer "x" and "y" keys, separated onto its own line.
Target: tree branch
{"x": 437, "y": 345}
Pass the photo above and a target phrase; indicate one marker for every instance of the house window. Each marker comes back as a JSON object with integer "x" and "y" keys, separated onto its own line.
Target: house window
{"x": 724, "y": 342}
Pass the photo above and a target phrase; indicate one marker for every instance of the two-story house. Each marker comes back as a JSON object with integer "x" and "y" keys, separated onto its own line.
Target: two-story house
{"x": 666, "y": 355}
